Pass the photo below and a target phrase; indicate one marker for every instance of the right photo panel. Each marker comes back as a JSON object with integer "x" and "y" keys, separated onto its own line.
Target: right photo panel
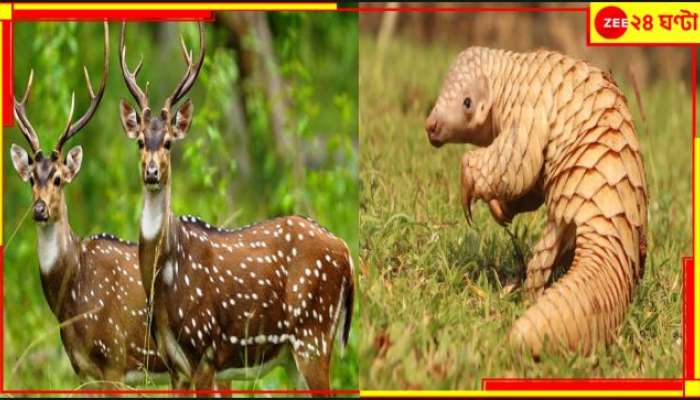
{"x": 525, "y": 200}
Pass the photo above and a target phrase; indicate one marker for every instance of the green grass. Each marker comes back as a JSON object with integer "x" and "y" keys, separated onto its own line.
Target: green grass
{"x": 433, "y": 313}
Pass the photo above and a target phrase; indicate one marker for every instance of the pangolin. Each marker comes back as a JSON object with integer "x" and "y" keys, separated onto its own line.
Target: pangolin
{"x": 556, "y": 130}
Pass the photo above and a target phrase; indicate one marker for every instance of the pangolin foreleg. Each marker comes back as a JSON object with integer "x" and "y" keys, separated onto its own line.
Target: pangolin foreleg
{"x": 486, "y": 176}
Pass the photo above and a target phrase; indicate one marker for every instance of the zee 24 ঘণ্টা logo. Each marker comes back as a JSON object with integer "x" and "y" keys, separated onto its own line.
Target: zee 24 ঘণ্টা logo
{"x": 612, "y": 22}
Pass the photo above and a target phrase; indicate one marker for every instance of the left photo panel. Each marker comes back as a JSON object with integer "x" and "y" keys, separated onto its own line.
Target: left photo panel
{"x": 181, "y": 205}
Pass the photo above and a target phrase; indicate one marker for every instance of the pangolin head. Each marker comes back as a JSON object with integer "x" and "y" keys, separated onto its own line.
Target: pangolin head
{"x": 462, "y": 112}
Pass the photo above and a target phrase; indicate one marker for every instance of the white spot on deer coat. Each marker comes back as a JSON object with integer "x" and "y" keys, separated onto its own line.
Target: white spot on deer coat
{"x": 168, "y": 273}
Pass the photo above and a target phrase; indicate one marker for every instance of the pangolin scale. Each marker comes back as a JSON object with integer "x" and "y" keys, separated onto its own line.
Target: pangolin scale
{"x": 553, "y": 130}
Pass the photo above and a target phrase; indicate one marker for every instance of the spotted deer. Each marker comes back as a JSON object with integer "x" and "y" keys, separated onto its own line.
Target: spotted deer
{"x": 92, "y": 285}
{"x": 231, "y": 303}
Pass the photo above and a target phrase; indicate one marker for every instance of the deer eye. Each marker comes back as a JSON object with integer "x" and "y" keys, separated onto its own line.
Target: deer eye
{"x": 140, "y": 143}
{"x": 31, "y": 181}
{"x": 57, "y": 181}
{"x": 167, "y": 144}
{"x": 467, "y": 103}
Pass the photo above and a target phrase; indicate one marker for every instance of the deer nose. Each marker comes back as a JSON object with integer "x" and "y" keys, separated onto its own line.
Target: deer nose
{"x": 151, "y": 175}
{"x": 41, "y": 212}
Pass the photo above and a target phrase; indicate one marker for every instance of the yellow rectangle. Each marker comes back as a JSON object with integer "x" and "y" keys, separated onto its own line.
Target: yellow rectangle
{"x": 5, "y": 11}
{"x": 649, "y": 22}
{"x": 692, "y": 388}
{"x": 178, "y": 6}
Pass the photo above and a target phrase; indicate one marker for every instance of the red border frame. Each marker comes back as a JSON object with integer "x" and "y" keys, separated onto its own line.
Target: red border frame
{"x": 487, "y": 383}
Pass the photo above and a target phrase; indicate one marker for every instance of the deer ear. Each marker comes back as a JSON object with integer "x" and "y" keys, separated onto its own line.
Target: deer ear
{"x": 20, "y": 159}
{"x": 182, "y": 120}
{"x": 130, "y": 121}
{"x": 74, "y": 160}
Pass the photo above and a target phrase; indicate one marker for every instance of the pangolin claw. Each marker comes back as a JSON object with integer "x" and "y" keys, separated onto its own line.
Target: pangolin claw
{"x": 467, "y": 206}
{"x": 467, "y": 199}
{"x": 500, "y": 212}
{"x": 467, "y": 190}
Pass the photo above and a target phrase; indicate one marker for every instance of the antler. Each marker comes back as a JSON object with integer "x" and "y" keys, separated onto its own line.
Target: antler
{"x": 21, "y": 117}
{"x": 130, "y": 77}
{"x": 95, "y": 99}
{"x": 192, "y": 70}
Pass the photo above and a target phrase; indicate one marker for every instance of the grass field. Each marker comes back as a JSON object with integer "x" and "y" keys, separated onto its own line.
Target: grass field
{"x": 433, "y": 314}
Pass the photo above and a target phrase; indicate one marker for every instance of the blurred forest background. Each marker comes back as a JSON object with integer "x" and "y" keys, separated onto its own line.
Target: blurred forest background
{"x": 561, "y": 31}
{"x": 434, "y": 313}
{"x": 274, "y": 133}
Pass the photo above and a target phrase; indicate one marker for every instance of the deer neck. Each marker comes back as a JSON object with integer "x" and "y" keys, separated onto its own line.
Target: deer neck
{"x": 58, "y": 250}
{"x": 156, "y": 237}
{"x": 155, "y": 212}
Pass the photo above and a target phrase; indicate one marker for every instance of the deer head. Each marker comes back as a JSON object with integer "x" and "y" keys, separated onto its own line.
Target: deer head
{"x": 48, "y": 175}
{"x": 155, "y": 132}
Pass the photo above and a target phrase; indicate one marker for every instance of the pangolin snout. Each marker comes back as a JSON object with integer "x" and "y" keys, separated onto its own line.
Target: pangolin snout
{"x": 432, "y": 129}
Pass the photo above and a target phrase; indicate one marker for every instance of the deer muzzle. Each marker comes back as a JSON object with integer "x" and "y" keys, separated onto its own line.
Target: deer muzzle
{"x": 151, "y": 174}
{"x": 41, "y": 211}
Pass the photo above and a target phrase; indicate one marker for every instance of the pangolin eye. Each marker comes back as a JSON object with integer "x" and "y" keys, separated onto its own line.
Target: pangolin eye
{"x": 57, "y": 181}
{"x": 140, "y": 143}
{"x": 467, "y": 103}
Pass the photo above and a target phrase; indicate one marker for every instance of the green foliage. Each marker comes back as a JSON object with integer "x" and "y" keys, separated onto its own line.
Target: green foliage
{"x": 208, "y": 181}
{"x": 434, "y": 316}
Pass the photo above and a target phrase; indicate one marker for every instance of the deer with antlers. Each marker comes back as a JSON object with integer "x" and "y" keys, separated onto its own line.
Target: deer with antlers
{"x": 92, "y": 285}
{"x": 231, "y": 303}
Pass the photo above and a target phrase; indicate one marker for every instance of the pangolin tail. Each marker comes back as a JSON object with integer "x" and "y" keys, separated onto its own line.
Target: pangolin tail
{"x": 584, "y": 309}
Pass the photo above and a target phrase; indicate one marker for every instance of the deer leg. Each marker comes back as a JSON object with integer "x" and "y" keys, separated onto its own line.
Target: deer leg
{"x": 315, "y": 371}
{"x": 220, "y": 386}
{"x": 204, "y": 378}
{"x": 180, "y": 381}
{"x": 112, "y": 379}
{"x": 205, "y": 374}
{"x": 223, "y": 385}
{"x": 294, "y": 378}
